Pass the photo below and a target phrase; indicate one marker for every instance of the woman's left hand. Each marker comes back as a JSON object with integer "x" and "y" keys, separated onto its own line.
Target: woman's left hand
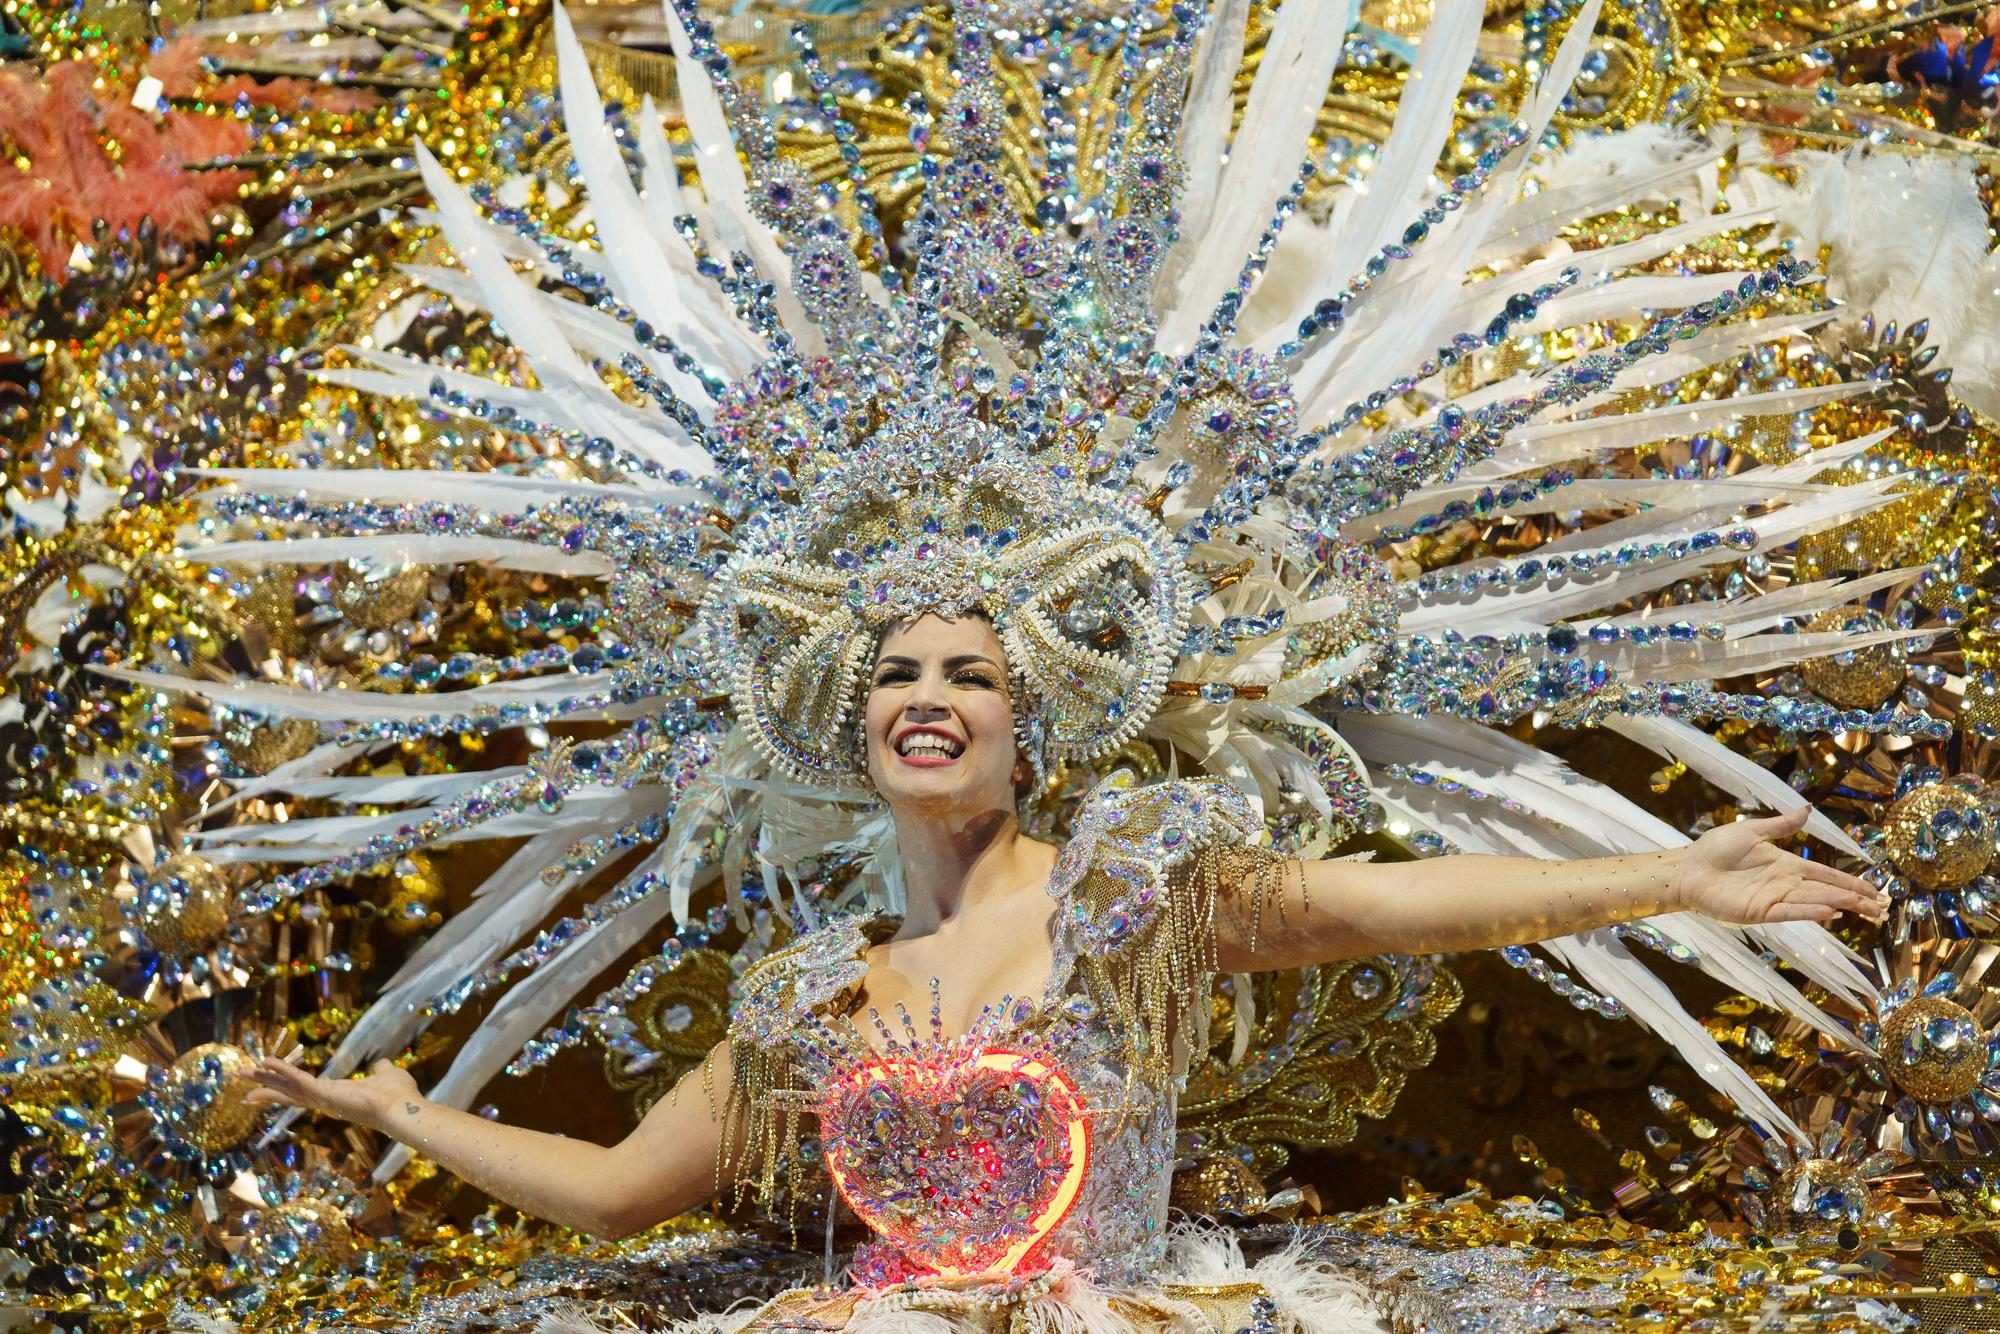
{"x": 1735, "y": 874}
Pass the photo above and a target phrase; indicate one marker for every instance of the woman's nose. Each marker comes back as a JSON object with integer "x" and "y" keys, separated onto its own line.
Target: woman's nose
{"x": 926, "y": 697}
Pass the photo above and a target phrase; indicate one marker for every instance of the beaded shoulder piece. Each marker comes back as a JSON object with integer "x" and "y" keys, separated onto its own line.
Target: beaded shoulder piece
{"x": 1137, "y": 889}
{"x": 781, "y": 996}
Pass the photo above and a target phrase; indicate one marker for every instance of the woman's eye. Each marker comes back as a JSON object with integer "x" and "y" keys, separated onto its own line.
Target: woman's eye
{"x": 895, "y": 676}
{"x": 974, "y": 679}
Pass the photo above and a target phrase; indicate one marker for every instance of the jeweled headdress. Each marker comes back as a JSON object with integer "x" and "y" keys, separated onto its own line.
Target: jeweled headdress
{"x": 1197, "y": 501}
{"x": 939, "y": 512}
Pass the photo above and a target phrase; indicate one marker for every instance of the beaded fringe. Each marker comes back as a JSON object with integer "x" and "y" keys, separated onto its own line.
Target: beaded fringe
{"x": 1206, "y": 1287}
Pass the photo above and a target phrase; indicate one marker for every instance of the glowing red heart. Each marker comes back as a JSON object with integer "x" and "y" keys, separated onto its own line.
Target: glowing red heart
{"x": 962, "y": 1163}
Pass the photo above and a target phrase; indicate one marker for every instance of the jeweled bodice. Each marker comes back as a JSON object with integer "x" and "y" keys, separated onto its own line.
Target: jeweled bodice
{"x": 1046, "y": 1132}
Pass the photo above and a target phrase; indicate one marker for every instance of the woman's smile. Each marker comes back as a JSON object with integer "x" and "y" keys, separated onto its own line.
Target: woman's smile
{"x": 928, "y": 747}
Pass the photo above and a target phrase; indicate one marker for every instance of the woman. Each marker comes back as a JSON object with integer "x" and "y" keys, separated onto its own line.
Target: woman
{"x": 1029, "y": 507}
{"x": 941, "y": 751}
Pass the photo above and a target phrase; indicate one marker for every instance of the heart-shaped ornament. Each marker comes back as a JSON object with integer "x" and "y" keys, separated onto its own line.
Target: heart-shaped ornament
{"x": 962, "y": 1163}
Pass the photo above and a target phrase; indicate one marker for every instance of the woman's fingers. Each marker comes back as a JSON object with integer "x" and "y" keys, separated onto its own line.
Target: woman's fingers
{"x": 1865, "y": 902}
{"x": 1840, "y": 882}
{"x": 1792, "y": 910}
{"x": 281, "y": 1080}
{"x": 1782, "y": 825}
{"x": 1833, "y": 876}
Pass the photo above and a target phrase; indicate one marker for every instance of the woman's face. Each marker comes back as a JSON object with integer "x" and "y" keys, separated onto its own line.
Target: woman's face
{"x": 940, "y": 725}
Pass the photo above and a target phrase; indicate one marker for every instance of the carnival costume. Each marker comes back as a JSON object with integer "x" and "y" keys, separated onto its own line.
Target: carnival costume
{"x": 1162, "y": 438}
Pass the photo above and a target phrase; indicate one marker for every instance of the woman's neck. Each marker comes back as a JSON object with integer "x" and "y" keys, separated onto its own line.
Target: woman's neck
{"x": 951, "y": 864}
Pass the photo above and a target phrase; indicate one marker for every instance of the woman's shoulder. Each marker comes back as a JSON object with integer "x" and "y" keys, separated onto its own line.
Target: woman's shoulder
{"x": 1124, "y": 826}
{"x": 816, "y": 968}
{"x": 1134, "y": 854}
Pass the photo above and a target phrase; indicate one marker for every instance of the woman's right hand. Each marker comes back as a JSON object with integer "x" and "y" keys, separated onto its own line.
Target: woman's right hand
{"x": 365, "y": 1101}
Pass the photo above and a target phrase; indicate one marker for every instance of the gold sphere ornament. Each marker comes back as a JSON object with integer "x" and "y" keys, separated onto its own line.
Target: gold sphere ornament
{"x": 1856, "y": 678}
{"x": 1935, "y": 1050}
{"x": 1218, "y": 1184}
{"x": 259, "y": 747}
{"x": 306, "y": 1232}
{"x": 203, "y": 1099}
{"x": 156, "y": 1236}
{"x": 1939, "y": 835}
{"x": 184, "y": 906}
{"x": 377, "y": 597}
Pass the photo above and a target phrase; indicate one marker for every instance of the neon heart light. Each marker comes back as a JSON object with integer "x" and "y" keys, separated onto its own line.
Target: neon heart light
{"x": 961, "y": 1161}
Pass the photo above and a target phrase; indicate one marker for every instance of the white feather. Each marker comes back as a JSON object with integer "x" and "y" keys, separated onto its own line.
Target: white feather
{"x": 1405, "y": 168}
{"x": 1205, "y": 123}
{"x": 728, "y": 188}
{"x": 287, "y": 701}
{"x": 1401, "y": 321}
{"x": 1292, "y": 77}
{"x": 594, "y": 333}
{"x": 1513, "y": 609}
{"x": 584, "y": 398}
{"x": 1704, "y": 660}
{"x": 640, "y": 271}
{"x": 1600, "y": 961}
{"x": 503, "y": 553}
{"x": 499, "y": 492}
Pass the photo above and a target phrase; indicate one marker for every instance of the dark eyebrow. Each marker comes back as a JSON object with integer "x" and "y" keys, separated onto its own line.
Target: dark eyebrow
{"x": 958, "y": 661}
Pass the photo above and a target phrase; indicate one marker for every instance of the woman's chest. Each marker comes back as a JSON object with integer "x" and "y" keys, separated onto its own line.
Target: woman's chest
{"x": 952, "y": 980}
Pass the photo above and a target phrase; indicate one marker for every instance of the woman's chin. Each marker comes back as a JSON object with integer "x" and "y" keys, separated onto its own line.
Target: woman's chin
{"x": 937, "y": 789}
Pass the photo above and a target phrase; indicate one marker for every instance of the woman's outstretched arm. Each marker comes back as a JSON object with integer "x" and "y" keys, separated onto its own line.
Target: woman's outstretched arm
{"x": 666, "y": 1166}
{"x": 1339, "y": 910}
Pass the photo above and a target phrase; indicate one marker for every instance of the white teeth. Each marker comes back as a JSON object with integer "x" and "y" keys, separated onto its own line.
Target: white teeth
{"x": 927, "y": 743}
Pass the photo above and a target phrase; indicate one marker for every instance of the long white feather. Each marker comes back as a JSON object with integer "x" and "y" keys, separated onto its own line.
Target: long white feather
{"x": 1704, "y": 660}
{"x": 728, "y": 188}
{"x": 1405, "y": 169}
{"x": 1401, "y": 321}
{"x": 1606, "y": 965}
{"x": 1205, "y": 123}
{"x": 641, "y": 273}
{"x": 1754, "y": 613}
{"x": 1779, "y": 481}
{"x": 499, "y": 492}
{"x": 1659, "y": 495}
{"x": 1570, "y": 439}
{"x": 1513, "y": 609}
{"x": 730, "y": 345}
{"x": 1292, "y": 77}
{"x": 594, "y": 333}
{"x": 1735, "y": 774}
{"x": 372, "y": 791}
{"x": 584, "y": 397}
{"x": 287, "y": 701}
{"x": 504, "y": 553}
{"x": 529, "y": 1006}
